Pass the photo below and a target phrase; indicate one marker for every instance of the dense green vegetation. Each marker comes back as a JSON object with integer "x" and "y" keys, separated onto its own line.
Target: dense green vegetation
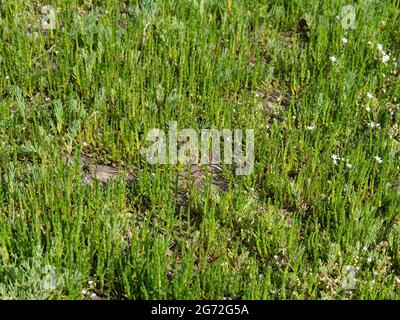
{"x": 317, "y": 219}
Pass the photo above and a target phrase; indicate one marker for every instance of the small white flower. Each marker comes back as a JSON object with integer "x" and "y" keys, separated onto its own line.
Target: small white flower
{"x": 84, "y": 292}
{"x": 380, "y": 47}
{"x": 370, "y": 95}
{"x": 337, "y": 18}
{"x": 345, "y": 40}
{"x": 365, "y": 248}
{"x": 335, "y": 158}
{"x": 7, "y": 77}
{"x": 311, "y": 128}
{"x": 373, "y": 125}
{"x": 369, "y": 259}
{"x": 332, "y": 58}
{"x": 385, "y": 58}
{"x": 367, "y": 108}
{"x": 378, "y": 159}
{"x": 93, "y": 296}
{"x": 349, "y": 165}
{"x": 348, "y": 268}
{"x": 398, "y": 280}
{"x": 373, "y": 281}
